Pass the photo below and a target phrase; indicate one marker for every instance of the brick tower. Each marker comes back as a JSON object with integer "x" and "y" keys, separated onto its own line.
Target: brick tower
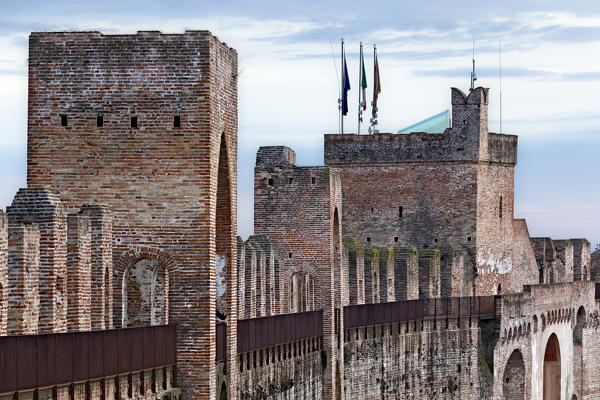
{"x": 146, "y": 124}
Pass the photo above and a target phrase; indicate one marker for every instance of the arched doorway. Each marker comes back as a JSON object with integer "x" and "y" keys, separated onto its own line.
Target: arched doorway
{"x": 552, "y": 369}
{"x": 513, "y": 381}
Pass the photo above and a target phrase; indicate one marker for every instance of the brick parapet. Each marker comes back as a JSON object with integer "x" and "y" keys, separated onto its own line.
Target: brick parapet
{"x": 429, "y": 273}
{"x": 24, "y": 279}
{"x": 296, "y": 208}
{"x": 79, "y": 276}
{"x": 43, "y": 207}
{"x": 102, "y": 274}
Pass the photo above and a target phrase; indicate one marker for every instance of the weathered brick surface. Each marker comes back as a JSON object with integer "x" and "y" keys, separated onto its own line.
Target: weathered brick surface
{"x": 109, "y": 389}
{"x": 172, "y": 190}
{"x": 413, "y": 360}
{"x": 3, "y": 272}
{"x": 79, "y": 273}
{"x": 299, "y": 209}
{"x": 426, "y": 189}
{"x": 595, "y": 263}
{"x": 44, "y": 208}
{"x": 528, "y": 321}
{"x": 102, "y": 285}
{"x": 290, "y": 371}
{"x": 24, "y": 279}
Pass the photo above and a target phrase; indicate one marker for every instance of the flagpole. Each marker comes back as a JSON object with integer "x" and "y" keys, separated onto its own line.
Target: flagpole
{"x": 342, "y": 90}
{"x": 359, "y": 86}
{"x": 373, "y": 105}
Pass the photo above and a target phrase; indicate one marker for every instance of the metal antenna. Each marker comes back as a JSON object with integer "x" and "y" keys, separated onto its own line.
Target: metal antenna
{"x": 500, "y": 56}
{"x": 473, "y": 74}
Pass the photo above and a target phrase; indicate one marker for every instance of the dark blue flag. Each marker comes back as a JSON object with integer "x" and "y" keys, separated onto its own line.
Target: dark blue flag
{"x": 345, "y": 89}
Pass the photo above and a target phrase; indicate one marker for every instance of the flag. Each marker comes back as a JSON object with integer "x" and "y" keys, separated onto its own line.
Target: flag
{"x": 376, "y": 86}
{"x": 345, "y": 88}
{"x": 363, "y": 83}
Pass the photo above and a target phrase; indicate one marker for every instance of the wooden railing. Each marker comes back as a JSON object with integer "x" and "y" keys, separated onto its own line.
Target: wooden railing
{"x": 35, "y": 361}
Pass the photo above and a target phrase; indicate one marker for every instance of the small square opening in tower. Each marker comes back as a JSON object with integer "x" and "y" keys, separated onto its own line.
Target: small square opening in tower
{"x": 99, "y": 121}
{"x": 372, "y": 209}
{"x": 396, "y": 239}
{"x": 368, "y": 238}
{"x": 289, "y": 255}
{"x": 134, "y": 122}
{"x": 313, "y": 180}
{"x": 63, "y": 120}
{"x": 291, "y": 180}
{"x": 469, "y": 238}
{"x": 177, "y": 121}
{"x": 270, "y": 181}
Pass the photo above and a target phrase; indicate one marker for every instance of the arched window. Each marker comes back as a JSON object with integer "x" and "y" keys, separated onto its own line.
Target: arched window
{"x": 145, "y": 292}
{"x": 513, "y": 380}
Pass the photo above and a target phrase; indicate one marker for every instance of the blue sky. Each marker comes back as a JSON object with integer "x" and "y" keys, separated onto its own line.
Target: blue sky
{"x": 288, "y": 86}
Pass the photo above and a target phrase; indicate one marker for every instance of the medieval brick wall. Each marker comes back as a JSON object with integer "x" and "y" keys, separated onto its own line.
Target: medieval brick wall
{"x": 102, "y": 285}
{"x": 259, "y": 279}
{"x": 79, "y": 276}
{"x": 426, "y": 189}
{"x": 525, "y": 268}
{"x": 397, "y": 273}
{"x": 150, "y": 130}
{"x": 529, "y": 320}
{"x": 299, "y": 209}
{"x": 289, "y": 371}
{"x": 23, "y": 279}
{"x": 595, "y": 265}
{"x": 413, "y": 360}
{"x": 44, "y": 208}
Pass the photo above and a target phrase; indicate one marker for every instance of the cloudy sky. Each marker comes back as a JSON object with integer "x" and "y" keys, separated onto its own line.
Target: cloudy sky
{"x": 288, "y": 84}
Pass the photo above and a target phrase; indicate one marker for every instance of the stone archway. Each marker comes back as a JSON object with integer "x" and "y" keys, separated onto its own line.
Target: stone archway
{"x": 144, "y": 276}
{"x": 513, "y": 380}
{"x": 552, "y": 378}
{"x": 299, "y": 287}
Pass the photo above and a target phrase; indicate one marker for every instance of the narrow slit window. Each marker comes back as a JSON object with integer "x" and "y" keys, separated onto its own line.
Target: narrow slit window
{"x": 400, "y": 212}
{"x": 99, "y": 121}
{"x": 289, "y": 255}
{"x": 134, "y": 122}
{"x": 500, "y": 208}
{"x": 291, "y": 180}
{"x": 176, "y": 121}
{"x": 313, "y": 180}
{"x": 372, "y": 209}
{"x": 63, "y": 120}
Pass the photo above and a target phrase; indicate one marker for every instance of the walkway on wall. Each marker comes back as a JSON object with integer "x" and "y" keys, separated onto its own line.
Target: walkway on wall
{"x": 259, "y": 333}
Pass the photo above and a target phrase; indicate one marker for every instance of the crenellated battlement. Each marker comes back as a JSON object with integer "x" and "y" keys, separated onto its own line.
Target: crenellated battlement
{"x": 396, "y": 272}
{"x": 467, "y": 141}
{"x": 48, "y": 264}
